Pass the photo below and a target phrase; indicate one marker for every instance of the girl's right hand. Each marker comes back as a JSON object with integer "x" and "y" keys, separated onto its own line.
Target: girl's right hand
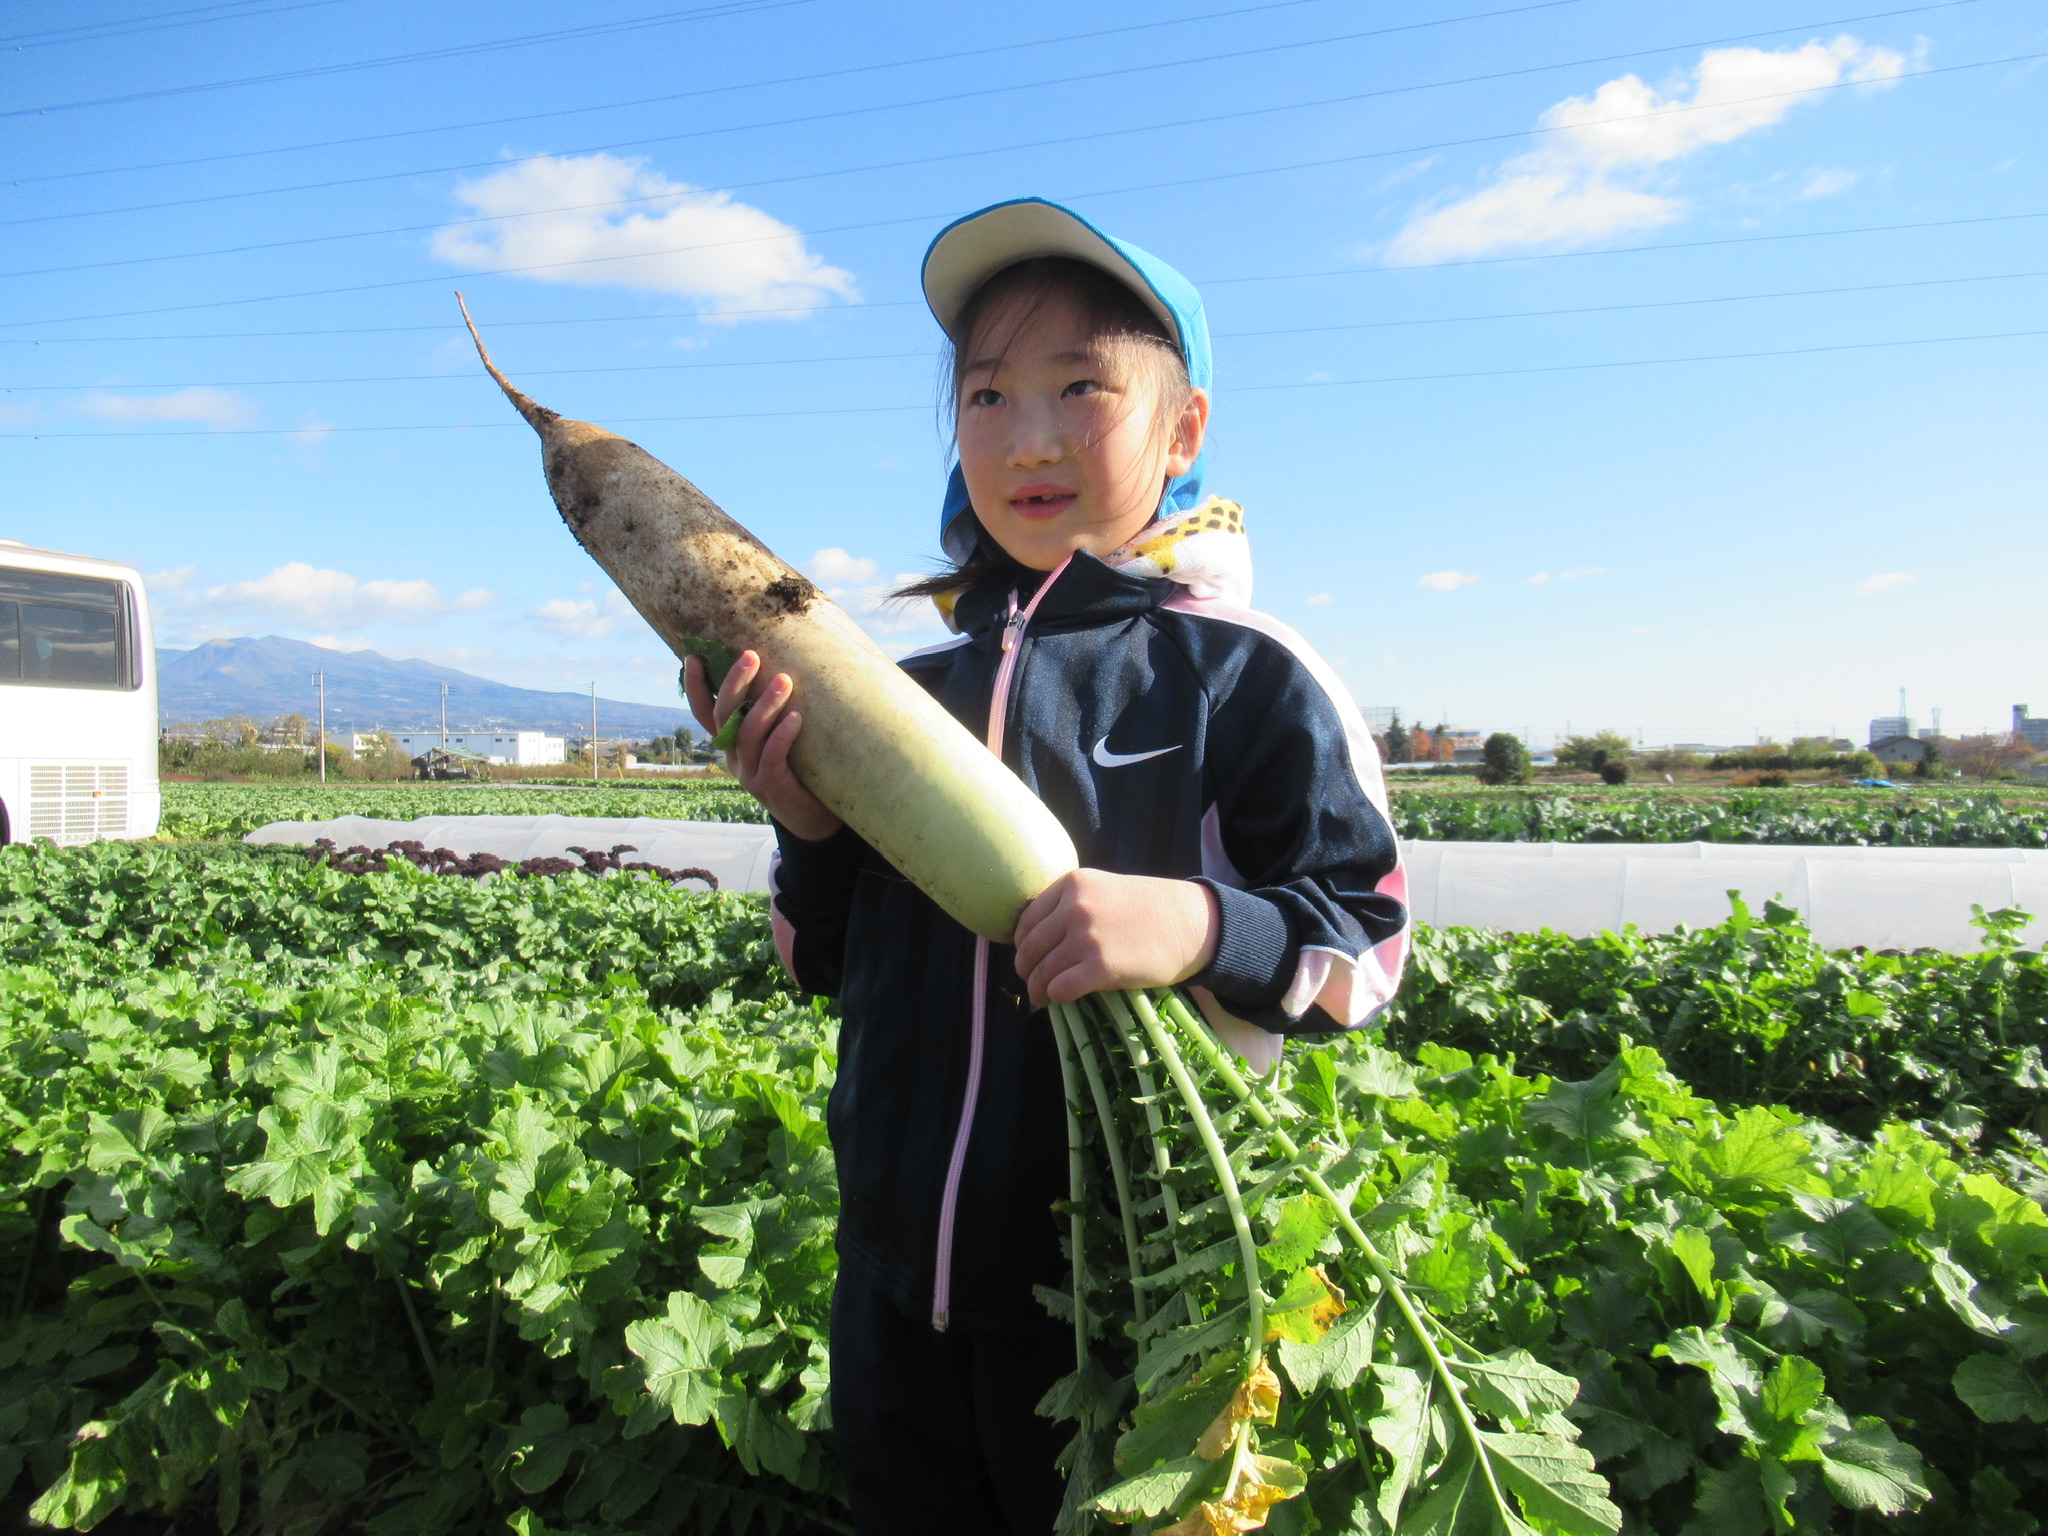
{"x": 760, "y": 759}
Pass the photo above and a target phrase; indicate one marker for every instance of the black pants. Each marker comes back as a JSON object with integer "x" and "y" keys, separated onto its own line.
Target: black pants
{"x": 936, "y": 1430}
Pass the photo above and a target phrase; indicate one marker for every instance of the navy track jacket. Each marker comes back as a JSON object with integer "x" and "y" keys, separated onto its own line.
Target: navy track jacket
{"x": 1172, "y": 736}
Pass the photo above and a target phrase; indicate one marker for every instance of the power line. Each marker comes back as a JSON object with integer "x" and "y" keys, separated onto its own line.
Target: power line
{"x": 755, "y": 85}
{"x": 660, "y": 197}
{"x": 459, "y": 50}
{"x": 1609, "y": 309}
{"x": 1207, "y": 282}
{"x": 874, "y": 410}
{"x": 891, "y": 357}
{"x": 101, "y": 31}
{"x": 1346, "y": 99}
{"x": 382, "y": 330}
{"x": 1177, "y": 182}
{"x": 1642, "y": 362}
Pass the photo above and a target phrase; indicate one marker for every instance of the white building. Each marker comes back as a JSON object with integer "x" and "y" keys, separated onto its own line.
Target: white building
{"x": 1887, "y": 726}
{"x": 517, "y": 748}
{"x": 2028, "y": 729}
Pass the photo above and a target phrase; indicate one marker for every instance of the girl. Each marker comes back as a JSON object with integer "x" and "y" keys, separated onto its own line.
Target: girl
{"x": 1222, "y": 791}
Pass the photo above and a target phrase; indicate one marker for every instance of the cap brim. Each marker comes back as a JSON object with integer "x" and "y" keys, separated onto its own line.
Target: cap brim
{"x": 973, "y": 250}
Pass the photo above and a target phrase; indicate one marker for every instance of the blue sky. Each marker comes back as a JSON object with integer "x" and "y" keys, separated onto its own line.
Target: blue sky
{"x": 1580, "y": 364}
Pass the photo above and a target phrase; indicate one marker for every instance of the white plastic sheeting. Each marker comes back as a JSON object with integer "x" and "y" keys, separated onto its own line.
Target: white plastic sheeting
{"x": 1885, "y": 898}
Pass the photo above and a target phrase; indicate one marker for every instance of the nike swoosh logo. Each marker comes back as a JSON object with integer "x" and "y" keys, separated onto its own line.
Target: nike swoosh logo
{"x": 1104, "y": 758}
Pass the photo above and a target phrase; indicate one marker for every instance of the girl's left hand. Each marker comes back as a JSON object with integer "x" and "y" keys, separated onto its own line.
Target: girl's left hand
{"x": 1092, "y": 931}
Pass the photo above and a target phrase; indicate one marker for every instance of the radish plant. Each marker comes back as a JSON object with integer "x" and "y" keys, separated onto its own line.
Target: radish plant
{"x": 1422, "y": 1431}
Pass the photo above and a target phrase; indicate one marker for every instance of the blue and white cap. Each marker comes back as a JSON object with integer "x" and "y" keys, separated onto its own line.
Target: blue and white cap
{"x": 970, "y": 251}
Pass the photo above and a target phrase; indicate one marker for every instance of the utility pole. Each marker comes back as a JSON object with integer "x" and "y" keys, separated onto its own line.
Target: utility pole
{"x": 444, "y": 717}
{"x": 321, "y": 679}
{"x": 593, "y": 730}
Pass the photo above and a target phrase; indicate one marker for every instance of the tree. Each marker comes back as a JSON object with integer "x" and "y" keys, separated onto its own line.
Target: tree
{"x": 1394, "y": 746}
{"x": 1813, "y": 752}
{"x": 1671, "y": 760}
{"x": 1592, "y": 753}
{"x": 1506, "y": 761}
{"x": 1989, "y": 757}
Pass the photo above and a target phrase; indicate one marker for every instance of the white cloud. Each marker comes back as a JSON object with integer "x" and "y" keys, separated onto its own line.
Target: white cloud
{"x": 852, "y": 581}
{"x": 1551, "y": 208}
{"x": 550, "y": 214}
{"x": 311, "y": 435}
{"x": 1320, "y": 600}
{"x": 1447, "y": 581}
{"x": 340, "y": 643}
{"x": 837, "y": 568}
{"x": 174, "y": 580}
{"x": 13, "y": 414}
{"x": 214, "y": 407}
{"x": 591, "y": 618}
{"x": 574, "y": 619}
{"x": 308, "y": 595}
{"x": 1407, "y": 172}
{"x": 1598, "y": 174}
{"x": 1537, "y": 580}
{"x": 1890, "y": 582}
{"x": 1828, "y": 183}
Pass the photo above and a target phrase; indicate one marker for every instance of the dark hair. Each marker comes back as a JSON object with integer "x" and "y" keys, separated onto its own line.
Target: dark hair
{"x": 1110, "y": 314}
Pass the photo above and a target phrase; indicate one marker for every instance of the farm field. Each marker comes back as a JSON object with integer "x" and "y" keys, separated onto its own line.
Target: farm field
{"x": 228, "y": 811}
{"x": 1939, "y": 818}
{"x": 414, "y": 1204}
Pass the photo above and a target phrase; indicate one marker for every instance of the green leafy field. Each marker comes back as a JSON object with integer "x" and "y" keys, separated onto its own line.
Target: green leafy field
{"x": 1877, "y": 818}
{"x": 1921, "y": 819}
{"x": 431, "y": 1206}
{"x": 194, "y": 811}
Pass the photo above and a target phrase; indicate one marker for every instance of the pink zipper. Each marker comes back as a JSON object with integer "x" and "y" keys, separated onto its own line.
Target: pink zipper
{"x": 998, "y": 711}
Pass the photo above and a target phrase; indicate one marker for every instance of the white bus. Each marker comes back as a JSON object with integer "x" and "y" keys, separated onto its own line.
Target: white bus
{"x": 78, "y": 728}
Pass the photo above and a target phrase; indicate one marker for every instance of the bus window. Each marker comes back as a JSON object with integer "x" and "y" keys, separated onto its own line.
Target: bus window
{"x": 64, "y": 631}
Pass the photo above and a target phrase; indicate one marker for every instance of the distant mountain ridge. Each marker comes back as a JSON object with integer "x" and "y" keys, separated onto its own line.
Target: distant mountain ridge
{"x": 272, "y": 676}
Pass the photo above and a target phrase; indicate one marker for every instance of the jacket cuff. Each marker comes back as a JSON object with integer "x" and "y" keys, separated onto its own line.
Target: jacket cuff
{"x": 1255, "y": 956}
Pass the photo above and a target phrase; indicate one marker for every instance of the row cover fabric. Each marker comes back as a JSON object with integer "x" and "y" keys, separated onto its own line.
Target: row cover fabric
{"x": 1882, "y": 898}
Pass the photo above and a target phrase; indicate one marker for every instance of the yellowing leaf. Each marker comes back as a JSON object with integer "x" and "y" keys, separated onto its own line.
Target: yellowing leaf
{"x": 1304, "y": 1311}
{"x": 1257, "y": 1397}
{"x": 1205, "y": 1520}
{"x": 1266, "y": 1482}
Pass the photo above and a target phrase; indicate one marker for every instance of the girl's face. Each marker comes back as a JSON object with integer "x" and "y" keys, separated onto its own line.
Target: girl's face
{"x": 1060, "y": 438}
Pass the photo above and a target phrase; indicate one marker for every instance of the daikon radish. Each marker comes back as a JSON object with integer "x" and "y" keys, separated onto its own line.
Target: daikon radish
{"x": 877, "y": 749}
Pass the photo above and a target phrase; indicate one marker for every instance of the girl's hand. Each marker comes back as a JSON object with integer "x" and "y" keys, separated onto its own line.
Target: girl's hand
{"x": 1092, "y": 931}
{"x": 760, "y": 759}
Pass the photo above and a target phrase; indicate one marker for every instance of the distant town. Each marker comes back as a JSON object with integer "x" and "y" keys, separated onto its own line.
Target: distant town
{"x": 220, "y": 707}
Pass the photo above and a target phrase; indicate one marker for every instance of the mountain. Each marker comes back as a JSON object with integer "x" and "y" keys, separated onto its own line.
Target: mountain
{"x": 272, "y": 676}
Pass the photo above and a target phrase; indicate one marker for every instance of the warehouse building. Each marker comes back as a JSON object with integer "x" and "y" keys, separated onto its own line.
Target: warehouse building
{"x": 507, "y": 748}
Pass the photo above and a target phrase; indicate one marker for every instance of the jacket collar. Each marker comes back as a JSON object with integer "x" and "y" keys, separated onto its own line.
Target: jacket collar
{"x": 1087, "y": 592}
